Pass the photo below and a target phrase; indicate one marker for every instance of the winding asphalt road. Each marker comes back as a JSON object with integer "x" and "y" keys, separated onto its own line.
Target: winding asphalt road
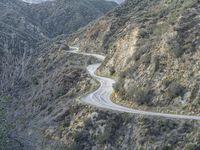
{"x": 101, "y": 97}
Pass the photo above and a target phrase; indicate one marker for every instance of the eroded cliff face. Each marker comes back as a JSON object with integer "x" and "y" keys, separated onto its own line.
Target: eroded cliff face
{"x": 153, "y": 50}
{"x": 123, "y": 50}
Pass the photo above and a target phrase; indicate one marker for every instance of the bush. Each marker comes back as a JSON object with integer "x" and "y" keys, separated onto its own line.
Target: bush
{"x": 72, "y": 146}
{"x": 112, "y": 70}
{"x": 118, "y": 87}
{"x": 156, "y": 62}
{"x": 35, "y": 81}
{"x": 104, "y": 137}
{"x": 146, "y": 59}
{"x": 144, "y": 33}
{"x": 176, "y": 49}
{"x": 143, "y": 48}
{"x": 140, "y": 95}
{"x": 81, "y": 136}
{"x": 174, "y": 45}
{"x": 108, "y": 132}
{"x": 175, "y": 90}
{"x": 4, "y": 125}
{"x": 191, "y": 146}
{"x": 166, "y": 83}
{"x": 195, "y": 91}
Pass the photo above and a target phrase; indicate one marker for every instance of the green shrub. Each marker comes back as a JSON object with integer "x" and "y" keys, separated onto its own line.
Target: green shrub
{"x": 166, "y": 83}
{"x": 146, "y": 59}
{"x": 112, "y": 70}
{"x": 191, "y": 146}
{"x": 88, "y": 123}
{"x": 122, "y": 75}
{"x": 156, "y": 62}
{"x": 81, "y": 135}
{"x": 104, "y": 137}
{"x": 118, "y": 87}
{"x": 143, "y": 33}
{"x": 140, "y": 95}
{"x": 4, "y": 126}
{"x": 35, "y": 81}
{"x": 195, "y": 91}
{"x": 108, "y": 132}
{"x": 160, "y": 29}
{"x": 72, "y": 146}
{"x": 175, "y": 47}
{"x": 141, "y": 51}
{"x": 175, "y": 89}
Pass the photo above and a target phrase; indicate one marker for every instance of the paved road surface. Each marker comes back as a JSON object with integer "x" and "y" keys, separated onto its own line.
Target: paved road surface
{"x": 101, "y": 97}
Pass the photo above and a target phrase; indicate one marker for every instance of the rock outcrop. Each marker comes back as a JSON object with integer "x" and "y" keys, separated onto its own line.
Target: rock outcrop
{"x": 153, "y": 49}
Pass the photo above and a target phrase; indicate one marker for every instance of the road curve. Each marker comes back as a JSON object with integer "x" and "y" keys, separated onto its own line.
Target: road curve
{"x": 101, "y": 97}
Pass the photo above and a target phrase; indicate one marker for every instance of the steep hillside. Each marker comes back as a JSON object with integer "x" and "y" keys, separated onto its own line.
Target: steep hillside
{"x": 24, "y": 27}
{"x": 66, "y": 16}
{"x": 45, "y": 112}
{"x": 19, "y": 37}
{"x": 39, "y": 80}
{"x": 157, "y": 45}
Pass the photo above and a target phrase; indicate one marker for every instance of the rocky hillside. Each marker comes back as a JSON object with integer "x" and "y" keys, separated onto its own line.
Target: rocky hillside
{"x": 157, "y": 45}
{"x": 38, "y": 77}
{"x": 19, "y": 37}
{"x": 66, "y": 16}
{"x": 24, "y": 27}
{"x": 41, "y": 81}
{"x": 45, "y": 114}
{"x": 44, "y": 95}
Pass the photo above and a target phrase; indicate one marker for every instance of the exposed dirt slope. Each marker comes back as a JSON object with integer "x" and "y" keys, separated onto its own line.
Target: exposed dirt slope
{"x": 153, "y": 51}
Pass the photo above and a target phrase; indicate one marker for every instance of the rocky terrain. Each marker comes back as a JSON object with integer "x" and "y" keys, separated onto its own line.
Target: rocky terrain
{"x": 158, "y": 53}
{"x": 156, "y": 43}
{"x": 66, "y": 16}
{"x": 22, "y": 31}
{"x": 38, "y": 78}
{"x": 42, "y": 100}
